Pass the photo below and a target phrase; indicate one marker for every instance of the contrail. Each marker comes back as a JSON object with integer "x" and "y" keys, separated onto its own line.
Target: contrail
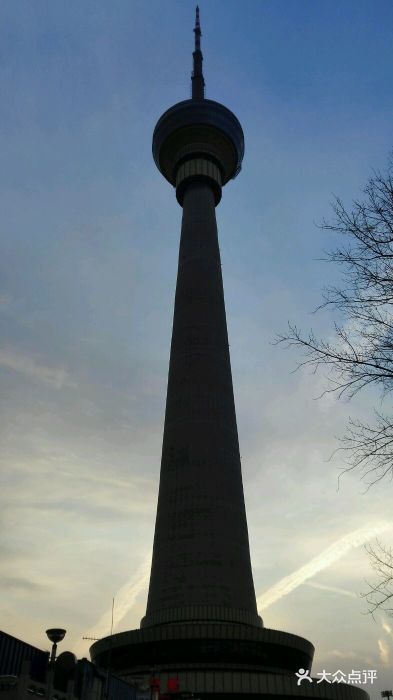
{"x": 331, "y": 589}
{"x": 384, "y": 652}
{"x": 126, "y": 596}
{"x": 322, "y": 561}
{"x": 124, "y": 601}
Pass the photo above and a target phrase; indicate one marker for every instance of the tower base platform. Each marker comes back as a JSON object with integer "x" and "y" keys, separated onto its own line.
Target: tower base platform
{"x": 219, "y": 661}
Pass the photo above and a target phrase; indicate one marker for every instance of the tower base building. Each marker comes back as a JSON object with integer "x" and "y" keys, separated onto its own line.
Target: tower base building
{"x": 202, "y": 625}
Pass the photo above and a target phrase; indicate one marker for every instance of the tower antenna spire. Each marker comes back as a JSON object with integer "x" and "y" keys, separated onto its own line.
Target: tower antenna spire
{"x": 197, "y": 79}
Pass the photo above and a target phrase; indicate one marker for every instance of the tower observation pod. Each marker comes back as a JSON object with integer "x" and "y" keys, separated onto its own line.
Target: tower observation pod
{"x": 201, "y": 624}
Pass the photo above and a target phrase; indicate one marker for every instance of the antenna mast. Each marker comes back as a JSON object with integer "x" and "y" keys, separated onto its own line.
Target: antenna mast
{"x": 197, "y": 79}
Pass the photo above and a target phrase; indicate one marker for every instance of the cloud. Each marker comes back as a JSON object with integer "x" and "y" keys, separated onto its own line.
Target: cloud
{"x": 387, "y": 628}
{"x": 55, "y": 377}
{"x": 329, "y": 556}
{"x": 336, "y": 653}
{"x": 17, "y": 583}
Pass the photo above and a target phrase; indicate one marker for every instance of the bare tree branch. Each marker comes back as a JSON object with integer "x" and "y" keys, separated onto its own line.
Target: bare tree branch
{"x": 380, "y": 593}
{"x": 360, "y": 353}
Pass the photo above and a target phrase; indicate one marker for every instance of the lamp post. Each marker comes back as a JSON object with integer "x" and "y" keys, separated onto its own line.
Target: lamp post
{"x": 55, "y": 635}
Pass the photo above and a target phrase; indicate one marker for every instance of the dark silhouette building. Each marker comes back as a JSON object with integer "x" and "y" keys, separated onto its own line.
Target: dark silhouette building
{"x": 28, "y": 672}
{"x": 14, "y": 653}
{"x": 202, "y": 624}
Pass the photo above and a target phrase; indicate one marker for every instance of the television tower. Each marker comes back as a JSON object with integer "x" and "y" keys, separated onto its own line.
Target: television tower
{"x": 201, "y": 623}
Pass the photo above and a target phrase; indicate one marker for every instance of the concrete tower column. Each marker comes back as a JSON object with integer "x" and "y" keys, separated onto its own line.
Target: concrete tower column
{"x": 201, "y": 625}
{"x": 201, "y": 566}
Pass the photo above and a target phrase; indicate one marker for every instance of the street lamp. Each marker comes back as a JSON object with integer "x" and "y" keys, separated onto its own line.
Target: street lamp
{"x": 55, "y": 635}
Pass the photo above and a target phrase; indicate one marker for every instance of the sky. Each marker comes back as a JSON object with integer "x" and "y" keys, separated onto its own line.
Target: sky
{"x": 89, "y": 241}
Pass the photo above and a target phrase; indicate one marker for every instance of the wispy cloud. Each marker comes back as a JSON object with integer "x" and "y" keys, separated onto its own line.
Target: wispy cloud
{"x": 338, "y": 654}
{"x": 55, "y": 377}
{"x": 18, "y": 583}
{"x": 387, "y": 628}
{"x": 329, "y": 556}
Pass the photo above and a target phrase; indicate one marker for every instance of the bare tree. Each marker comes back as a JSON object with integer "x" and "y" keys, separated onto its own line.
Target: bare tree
{"x": 361, "y": 353}
{"x": 380, "y": 593}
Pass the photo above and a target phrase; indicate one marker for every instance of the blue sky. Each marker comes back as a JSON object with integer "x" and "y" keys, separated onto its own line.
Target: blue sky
{"x": 89, "y": 240}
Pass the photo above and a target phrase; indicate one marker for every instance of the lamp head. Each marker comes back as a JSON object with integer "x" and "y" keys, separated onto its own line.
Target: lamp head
{"x": 55, "y": 635}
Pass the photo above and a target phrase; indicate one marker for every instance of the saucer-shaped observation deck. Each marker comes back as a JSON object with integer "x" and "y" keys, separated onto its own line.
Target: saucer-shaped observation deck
{"x": 198, "y": 139}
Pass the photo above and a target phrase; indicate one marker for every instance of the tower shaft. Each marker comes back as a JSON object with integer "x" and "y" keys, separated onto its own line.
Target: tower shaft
{"x": 201, "y": 566}
{"x": 201, "y": 623}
